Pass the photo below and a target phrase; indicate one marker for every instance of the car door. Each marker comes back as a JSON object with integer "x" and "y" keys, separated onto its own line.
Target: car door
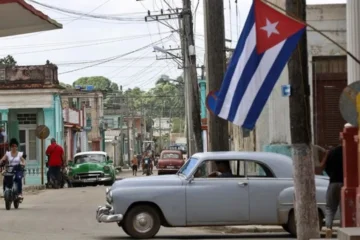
{"x": 217, "y": 201}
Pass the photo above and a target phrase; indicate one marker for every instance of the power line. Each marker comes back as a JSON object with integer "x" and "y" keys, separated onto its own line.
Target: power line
{"x": 108, "y": 17}
{"x": 111, "y": 59}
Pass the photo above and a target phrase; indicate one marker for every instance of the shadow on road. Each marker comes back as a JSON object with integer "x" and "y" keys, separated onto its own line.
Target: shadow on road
{"x": 211, "y": 236}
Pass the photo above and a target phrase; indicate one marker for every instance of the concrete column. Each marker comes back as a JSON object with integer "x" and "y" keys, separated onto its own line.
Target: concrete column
{"x": 353, "y": 38}
{"x": 49, "y": 121}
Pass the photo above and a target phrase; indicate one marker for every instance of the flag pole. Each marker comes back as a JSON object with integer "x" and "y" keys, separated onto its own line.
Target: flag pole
{"x": 313, "y": 28}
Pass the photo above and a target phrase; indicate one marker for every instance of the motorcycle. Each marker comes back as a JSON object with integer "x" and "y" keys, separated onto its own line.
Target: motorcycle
{"x": 11, "y": 194}
{"x": 59, "y": 183}
{"x": 147, "y": 169}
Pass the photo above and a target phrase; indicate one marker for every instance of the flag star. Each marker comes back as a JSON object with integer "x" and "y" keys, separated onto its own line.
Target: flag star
{"x": 270, "y": 28}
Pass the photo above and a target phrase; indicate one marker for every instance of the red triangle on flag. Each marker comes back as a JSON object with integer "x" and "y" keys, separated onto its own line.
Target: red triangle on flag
{"x": 272, "y": 26}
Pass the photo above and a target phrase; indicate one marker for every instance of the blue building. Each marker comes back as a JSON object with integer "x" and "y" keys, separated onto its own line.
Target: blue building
{"x": 30, "y": 96}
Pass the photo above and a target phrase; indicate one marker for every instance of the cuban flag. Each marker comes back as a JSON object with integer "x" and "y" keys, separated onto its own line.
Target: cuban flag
{"x": 265, "y": 45}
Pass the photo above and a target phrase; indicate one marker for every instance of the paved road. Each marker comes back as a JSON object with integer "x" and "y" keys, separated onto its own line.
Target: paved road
{"x": 70, "y": 214}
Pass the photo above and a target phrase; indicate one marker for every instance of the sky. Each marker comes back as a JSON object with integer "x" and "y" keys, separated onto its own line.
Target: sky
{"x": 84, "y": 41}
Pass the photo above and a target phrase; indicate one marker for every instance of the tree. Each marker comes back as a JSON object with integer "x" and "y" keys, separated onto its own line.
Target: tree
{"x": 99, "y": 83}
{"x": 67, "y": 86}
{"x": 306, "y": 212}
{"x": 8, "y": 61}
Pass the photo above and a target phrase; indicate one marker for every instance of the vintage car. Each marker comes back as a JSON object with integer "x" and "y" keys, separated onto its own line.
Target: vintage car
{"x": 170, "y": 162}
{"x": 91, "y": 168}
{"x": 259, "y": 191}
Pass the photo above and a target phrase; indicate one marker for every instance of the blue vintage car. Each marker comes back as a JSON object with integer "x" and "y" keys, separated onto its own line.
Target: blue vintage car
{"x": 258, "y": 191}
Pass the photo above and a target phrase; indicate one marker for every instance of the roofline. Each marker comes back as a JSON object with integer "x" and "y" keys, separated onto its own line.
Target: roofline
{"x": 34, "y": 11}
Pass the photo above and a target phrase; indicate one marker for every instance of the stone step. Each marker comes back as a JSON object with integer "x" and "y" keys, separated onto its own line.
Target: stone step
{"x": 349, "y": 233}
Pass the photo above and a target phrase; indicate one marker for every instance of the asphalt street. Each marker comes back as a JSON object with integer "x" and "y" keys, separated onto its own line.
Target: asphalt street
{"x": 70, "y": 214}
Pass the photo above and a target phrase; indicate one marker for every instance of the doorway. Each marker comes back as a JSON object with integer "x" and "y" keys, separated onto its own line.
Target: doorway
{"x": 27, "y": 141}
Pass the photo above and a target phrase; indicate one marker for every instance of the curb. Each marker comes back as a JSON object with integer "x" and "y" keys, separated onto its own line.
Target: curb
{"x": 28, "y": 189}
{"x": 250, "y": 229}
{"x": 246, "y": 229}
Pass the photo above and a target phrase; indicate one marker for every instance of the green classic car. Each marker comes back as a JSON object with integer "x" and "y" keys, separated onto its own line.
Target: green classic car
{"x": 91, "y": 168}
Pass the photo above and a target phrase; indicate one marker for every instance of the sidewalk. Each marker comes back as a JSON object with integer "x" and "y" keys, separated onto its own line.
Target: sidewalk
{"x": 26, "y": 189}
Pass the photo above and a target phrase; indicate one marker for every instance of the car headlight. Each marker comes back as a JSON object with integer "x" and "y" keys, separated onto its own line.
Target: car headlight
{"x": 109, "y": 196}
{"x": 106, "y": 168}
{"x": 107, "y": 190}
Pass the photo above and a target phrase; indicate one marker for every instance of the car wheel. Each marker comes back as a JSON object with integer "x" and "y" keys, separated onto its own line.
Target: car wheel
{"x": 124, "y": 229}
{"x": 291, "y": 225}
{"x": 142, "y": 222}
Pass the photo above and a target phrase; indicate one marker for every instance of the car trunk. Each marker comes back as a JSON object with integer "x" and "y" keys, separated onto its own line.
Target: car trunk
{"x": 170, "y": 163}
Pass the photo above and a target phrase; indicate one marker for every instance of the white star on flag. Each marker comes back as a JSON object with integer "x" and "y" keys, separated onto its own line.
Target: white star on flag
{"x": 270, "y": 28}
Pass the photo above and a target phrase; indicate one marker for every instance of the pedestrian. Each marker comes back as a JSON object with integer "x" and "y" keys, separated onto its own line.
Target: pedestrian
{"x": 2, "y": 135}
{"x": 134, "y": 163}
{"x": 55, "y": 155}
{"x": 332, "y": 163}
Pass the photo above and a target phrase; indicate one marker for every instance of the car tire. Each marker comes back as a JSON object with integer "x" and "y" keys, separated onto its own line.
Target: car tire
{"x": 124, "y": 229}
{"x": 291, "y": 225}
{"x": 150, "y": 216}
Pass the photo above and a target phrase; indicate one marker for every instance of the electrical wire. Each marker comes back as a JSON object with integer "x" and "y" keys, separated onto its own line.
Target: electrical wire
{"x": 108, "y": 17}
{"x": 110, "y": 59}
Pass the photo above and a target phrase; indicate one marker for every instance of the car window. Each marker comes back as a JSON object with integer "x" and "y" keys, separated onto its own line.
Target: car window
{"x": 171, "y": 155}
{"x": 188, "y": 167}
{"x": 258, "y": 170}
{"x": 90, "y": 158}
{"x": 207, "y": 167}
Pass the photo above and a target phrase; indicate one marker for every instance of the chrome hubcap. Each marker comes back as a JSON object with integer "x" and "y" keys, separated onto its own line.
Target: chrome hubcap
{"x": 143, "y": 222}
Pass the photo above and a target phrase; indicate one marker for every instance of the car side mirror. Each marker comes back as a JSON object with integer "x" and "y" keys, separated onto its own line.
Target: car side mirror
{"x": 191, "y": 179}
{"x": 71, "y": 163}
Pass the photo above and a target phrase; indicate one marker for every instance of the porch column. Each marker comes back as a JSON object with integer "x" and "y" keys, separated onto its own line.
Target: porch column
{"x": 4, "y": 114}
{"x": 49, "y": 121}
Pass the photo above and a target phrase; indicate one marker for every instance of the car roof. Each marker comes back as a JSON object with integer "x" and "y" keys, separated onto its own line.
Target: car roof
{"x": 90, "y": 152}
{"x": 280, "y": 164}
{"x": 171, "y": 151}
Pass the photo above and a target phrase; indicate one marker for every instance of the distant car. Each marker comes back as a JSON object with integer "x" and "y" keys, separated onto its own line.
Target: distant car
{"x": 91, "y": 168}
{"x": 260, "y": 191}
{"x": 170, "y": 162}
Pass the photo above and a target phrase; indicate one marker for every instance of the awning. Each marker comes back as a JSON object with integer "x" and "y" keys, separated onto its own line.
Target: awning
{"x": 19, "y": 17}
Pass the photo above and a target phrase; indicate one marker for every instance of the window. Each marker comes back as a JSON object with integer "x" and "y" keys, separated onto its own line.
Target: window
{"x": 258, "y": 170}
{"x": 32, "y": 144}
{"x": 27, "y": 118}
{"x": 171, "y": 155}
{"x": 93, "y": 158}
{"x": 237, "y": 168}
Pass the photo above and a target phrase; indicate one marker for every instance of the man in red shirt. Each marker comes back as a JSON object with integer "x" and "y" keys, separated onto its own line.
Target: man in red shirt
{"x": 55, "y": 155}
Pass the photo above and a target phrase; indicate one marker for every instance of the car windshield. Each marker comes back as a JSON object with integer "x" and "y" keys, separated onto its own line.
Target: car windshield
{"x": 171, "y": 155}
{"x": 188, "y": 167}
{"x": 90, "y": 158}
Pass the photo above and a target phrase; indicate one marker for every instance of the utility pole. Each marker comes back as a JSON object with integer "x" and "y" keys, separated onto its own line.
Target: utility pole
{"x": 215, "y": 69}
{"x": 192, "y": 87}
{"x": 306, "y": 213}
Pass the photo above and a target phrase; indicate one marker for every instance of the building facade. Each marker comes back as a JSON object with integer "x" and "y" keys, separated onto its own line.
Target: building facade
{"x": 74, "y": 122}
{"x": 30, "y": 96}
{"x": 91, "y": 103}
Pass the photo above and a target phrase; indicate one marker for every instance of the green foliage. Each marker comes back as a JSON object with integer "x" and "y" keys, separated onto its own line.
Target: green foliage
{"x": 8, "y": 61}
{"x": 67, "y": 86}
{"x": 99, "y": 82}
{"x": 178, "y": 125}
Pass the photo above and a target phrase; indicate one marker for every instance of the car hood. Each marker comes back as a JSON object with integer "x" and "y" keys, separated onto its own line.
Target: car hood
{"x": 153, "y": 181}
{"x": 88, "y": 167}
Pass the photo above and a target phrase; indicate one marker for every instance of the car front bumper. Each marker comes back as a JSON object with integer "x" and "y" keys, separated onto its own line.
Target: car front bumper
{"x": 106, "y": 214}
{"x": 90, "y": 180}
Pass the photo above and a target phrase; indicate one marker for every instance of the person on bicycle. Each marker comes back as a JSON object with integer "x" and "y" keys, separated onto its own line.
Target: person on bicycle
{"x": 14, "y": 158}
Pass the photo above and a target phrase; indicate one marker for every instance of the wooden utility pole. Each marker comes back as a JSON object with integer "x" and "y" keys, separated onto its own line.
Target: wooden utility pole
{"x": 192, "y": 88}
{"x": 215, "y": 69}
{"x": 306, "y": 213}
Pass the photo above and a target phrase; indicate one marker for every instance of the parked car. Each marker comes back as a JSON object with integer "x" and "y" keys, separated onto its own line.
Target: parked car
{"x": 91, "y": 168}
{"x": 170, "y": 162}
{"x": 260, "y": 190}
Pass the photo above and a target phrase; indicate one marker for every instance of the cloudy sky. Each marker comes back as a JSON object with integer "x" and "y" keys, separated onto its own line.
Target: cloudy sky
{"x": 84, "y": 41}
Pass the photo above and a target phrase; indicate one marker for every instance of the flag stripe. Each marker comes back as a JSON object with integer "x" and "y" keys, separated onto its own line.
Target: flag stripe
{"x": 244, "y": 82}
{"x": 243, "y": 61}
{"x": 256, "y": 81}
{"x": 250, "y": 22}
{"x": 265, "y": 90}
